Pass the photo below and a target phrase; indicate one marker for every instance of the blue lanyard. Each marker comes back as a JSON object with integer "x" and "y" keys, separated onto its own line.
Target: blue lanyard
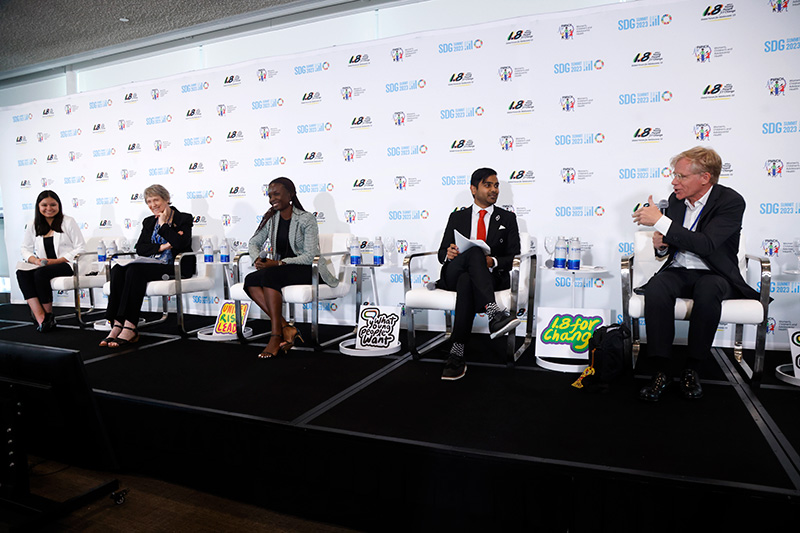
{"x": 691, "y": 228}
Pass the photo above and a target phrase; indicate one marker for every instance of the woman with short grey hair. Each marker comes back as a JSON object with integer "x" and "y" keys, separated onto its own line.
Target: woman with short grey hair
{"x": 165, "y": 234}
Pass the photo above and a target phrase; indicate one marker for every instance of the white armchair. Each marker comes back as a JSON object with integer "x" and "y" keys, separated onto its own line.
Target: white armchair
{"x": 202, "y": 281}
{"x": 334, "y": 252}
{"x": 522, "y": 290}
{"x": 735, "y": 311}
{"x": 82, "y": 265}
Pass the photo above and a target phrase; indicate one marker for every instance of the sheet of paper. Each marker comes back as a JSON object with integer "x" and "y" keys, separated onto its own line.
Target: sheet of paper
{"x": 127, "y": 261}
{"x": 24, "y": 265}
{"x": 465, "y": 244}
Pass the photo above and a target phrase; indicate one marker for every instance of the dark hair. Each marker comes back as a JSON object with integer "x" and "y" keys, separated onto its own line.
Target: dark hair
{"x": 480, "y": 175}
{"x": 40, "y": 223}
{"x": 290, "y": 188}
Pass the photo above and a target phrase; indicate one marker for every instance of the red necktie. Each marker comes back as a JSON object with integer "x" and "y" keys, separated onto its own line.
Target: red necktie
{"x": 481, "y": 225}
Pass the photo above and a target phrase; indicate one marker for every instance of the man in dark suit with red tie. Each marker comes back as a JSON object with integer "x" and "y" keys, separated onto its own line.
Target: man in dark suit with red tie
{"x": 474, "y": 275}
{"x": 700, "y": 235}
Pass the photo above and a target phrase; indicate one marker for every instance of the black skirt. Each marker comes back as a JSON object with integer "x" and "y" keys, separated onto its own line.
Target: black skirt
{"x": 278, "y": 277}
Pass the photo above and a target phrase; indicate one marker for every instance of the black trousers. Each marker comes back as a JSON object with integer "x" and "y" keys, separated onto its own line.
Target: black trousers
{"x": 469, "y": 277}
{"x": 706, "y": 289}
{"x": 36, "y": 283}
{"x": 128, "y": 287}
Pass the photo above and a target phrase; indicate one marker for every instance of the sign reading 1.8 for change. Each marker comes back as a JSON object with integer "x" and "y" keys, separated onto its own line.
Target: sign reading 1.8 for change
{"x": 564, "y": 333}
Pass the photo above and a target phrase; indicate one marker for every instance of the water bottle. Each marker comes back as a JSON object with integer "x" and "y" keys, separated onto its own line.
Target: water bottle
{"x": 111, "y": 249}
{"x": 560, "y": 259}
{"x": 377, "y": 251}
{"x": 574, "y": 254}
{"x": 355, "y": 251}
{"x": 208, "y": 251}
{"x": 101, "y": 251}
{"x": 224, "y": 252}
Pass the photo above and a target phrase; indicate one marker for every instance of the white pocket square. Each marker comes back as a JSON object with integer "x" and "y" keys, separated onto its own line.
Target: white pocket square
{"x": 502, "y": 227}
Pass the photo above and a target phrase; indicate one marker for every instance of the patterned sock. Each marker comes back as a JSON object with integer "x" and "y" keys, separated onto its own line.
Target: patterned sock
{"x": 492, "y": 309}
{"x": 457, "y": 349}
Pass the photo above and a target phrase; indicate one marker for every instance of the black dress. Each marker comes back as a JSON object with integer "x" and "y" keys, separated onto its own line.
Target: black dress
{"x": 284, "y": 275}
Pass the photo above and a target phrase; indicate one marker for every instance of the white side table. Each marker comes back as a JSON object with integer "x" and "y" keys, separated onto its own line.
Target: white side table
{"x": 584, "y": 272}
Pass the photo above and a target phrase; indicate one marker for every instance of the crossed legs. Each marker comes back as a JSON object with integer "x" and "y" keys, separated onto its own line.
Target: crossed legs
{"x": 270, "y": 301}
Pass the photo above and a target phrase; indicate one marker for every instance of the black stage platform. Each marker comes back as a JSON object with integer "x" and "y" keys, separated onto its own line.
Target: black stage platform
{"x": 384, "y": 444}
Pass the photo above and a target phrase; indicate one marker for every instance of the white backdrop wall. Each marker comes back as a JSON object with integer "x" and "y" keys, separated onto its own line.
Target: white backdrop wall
{"x": 578, "y": 112}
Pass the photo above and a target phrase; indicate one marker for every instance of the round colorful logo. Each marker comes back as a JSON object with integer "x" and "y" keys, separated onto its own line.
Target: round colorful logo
{"x": 796, "y": 338}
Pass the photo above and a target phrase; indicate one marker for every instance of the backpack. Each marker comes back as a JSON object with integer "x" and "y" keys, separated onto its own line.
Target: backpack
{"x": 607, "y": 360}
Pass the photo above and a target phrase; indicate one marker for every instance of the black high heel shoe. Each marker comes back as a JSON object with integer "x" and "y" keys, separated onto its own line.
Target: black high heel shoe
{"x": 267, "y": 354}
{"x": 48, "y": 324}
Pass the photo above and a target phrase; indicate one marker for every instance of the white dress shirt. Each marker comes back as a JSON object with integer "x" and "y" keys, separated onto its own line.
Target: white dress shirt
{"x": 474, "y": 224}
{"x": 682, "y": 258}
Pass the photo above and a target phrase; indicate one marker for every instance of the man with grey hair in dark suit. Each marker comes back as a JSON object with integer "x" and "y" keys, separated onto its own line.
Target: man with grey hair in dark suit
{"x": 700, "y": 235}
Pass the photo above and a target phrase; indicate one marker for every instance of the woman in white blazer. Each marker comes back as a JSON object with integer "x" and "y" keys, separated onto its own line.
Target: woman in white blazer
{"x": 51, "y": 242}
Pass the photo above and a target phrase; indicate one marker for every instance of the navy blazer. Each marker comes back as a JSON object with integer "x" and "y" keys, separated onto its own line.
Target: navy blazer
{"x": 502, "y": 236}
{"x": 178, "y": 233}
{"x": 716, "y": 235}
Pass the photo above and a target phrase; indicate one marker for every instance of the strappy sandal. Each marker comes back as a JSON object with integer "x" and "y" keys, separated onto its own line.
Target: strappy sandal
{"x": 122, "y": 342}
{"x": 265, "y": 354}
{"x": 108, "y": 339}
{"x": 289, "y": 340}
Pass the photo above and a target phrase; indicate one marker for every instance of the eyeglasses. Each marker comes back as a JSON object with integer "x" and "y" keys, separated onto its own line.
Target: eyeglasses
{"x": 682, "y": 177}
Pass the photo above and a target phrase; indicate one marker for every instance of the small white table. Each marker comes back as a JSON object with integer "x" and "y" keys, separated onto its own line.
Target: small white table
{"x": 584, "y": 272}
{"x": 348, "y": 346}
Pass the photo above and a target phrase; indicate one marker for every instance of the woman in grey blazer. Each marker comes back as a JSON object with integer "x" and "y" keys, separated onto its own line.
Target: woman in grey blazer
{"x": 290, "y": 236}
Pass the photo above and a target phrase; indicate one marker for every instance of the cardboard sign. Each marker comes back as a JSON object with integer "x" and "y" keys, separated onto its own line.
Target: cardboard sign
{"x": 226, "y": 319}
{"x": 378, "y": 328}
{"x": 565, "y": 332}
{"x": 794, "y": 346}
